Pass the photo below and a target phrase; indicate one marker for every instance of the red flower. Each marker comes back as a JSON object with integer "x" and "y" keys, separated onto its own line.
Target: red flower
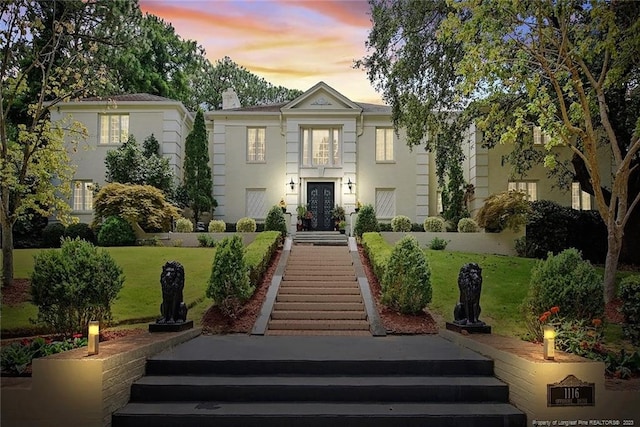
{"x": 25, "y": 342}
{"x": 596, "y": 322}
{"x": 554, "y": 309}
{"x": 543, "y": 318}
{"x": 77, "y": 335}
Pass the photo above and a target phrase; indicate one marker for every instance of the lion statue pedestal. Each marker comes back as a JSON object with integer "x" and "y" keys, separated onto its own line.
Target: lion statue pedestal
{"x": 467, "y": 311}
{"x": 173, "y": 310}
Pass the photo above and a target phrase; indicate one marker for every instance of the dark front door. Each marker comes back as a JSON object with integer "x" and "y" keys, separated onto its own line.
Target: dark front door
{"x": 320, "y": 200}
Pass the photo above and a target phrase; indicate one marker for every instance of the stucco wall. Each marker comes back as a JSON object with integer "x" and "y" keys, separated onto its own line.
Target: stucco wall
{"x": 479, "y": 243}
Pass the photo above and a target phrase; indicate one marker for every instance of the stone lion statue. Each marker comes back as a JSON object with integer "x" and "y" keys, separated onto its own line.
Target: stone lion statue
{"x": 173, "y": 309}
{"x": 467, "y": 310}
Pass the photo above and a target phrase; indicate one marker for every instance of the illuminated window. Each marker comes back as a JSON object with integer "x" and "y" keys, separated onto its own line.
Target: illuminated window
{"x": 321, "y": 147}
{"x": 528, "y": 187}
{"x": 256, "y": 144}
{"x": 82, "y": 195}
{"x": 580, "y": 200}
{"x": 114, "y": 128}
{"x": 384, "y": 145}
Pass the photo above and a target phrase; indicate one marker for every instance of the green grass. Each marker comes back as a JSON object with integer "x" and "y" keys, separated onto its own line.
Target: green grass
{"x": 140, "y": 296}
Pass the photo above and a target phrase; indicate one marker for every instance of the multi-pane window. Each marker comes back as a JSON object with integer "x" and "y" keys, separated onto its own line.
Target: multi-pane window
{"x": 384, "y": 145}
{"x": 321, "y": 147}
{"x": 256, "y": 144}
{"x": 385, "y": 202}
{"x": 580, "y": 200}
{"x": 528, "y": 187}
{"x": 82, "y": 195}
{"x": 114, "y": 128}
{"x": 539, "y": 137}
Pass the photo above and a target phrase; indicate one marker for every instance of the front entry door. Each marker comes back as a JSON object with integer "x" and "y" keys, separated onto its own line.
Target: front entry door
{"x": 320, "y": 199}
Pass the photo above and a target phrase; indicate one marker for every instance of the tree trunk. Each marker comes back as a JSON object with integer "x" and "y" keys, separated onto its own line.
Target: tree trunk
{"x": 7, "y": 254}
{"x": 614, "y": 245}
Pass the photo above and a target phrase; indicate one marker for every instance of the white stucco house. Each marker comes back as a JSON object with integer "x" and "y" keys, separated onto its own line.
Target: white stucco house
{"x": 319, "y": 150}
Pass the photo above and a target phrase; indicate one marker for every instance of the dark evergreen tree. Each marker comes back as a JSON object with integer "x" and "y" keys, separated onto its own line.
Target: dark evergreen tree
{"x": 197, "y": 173}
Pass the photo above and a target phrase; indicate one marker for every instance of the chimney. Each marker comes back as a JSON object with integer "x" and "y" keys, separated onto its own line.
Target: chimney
{"x": 230, "y": 99}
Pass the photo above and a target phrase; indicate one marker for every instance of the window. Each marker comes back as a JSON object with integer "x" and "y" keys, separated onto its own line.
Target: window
{"x": 384, "y": 145}
{"x": 321, "y": 147}
{"x": 256, "y": 203}
{"x": 82, "y": 195}
{"x": 539, "y": 137}
{"x": 385, "y": 202}
{"x": 256, "y": 144}
{"x": 528, "y": 187}
{"x": 580, "y": 200}
{"x": 114, "y": 128}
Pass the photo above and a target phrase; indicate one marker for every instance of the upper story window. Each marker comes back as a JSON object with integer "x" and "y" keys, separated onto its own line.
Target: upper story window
{"x": 528, "y": 187}
{"x": 82, "y": 195}
{"x": 580, "y": 200}
{"x": 384, "y": 145}
{"x": 256, "y": 145}
{"x": 114, "y": 128}
{"x": 539, "y": 137}
{"x": 321, "y": 147}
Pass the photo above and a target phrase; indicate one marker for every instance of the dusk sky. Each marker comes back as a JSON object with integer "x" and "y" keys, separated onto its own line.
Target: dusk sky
{"x": 295, "y": 44}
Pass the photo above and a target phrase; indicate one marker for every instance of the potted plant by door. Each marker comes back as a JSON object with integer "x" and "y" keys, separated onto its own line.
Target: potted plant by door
{"x": 301, "y": 210}
{"x": 283, "y": 205}
{"x": 338, "y": 214}
{"x": 342, "y": 225}
{"x": 306, "y": 222}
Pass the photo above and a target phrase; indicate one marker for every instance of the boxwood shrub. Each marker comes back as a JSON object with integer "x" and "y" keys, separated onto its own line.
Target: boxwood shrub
{"x": 246, "y": 225}
{"x": 468, "y": 225}
{"x": 183, "y": 225}
{"x": 378, "y": 251}
{"x": 434, "y": 224}
{"x": 275, "y": 221}
{"x": 116, "y": 231}
{"x": 217, "y": 226}
{"x": 81, "y": 230}
{"x": 51, "y": 235}
{"x": 401, "y": 223}
{"x": 259, "y": 253}
{"x": 406, "y": 283}
{"x": 367, "y": 221}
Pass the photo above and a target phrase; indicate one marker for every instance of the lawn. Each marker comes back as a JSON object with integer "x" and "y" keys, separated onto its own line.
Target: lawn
{"x": 140, "y": 298}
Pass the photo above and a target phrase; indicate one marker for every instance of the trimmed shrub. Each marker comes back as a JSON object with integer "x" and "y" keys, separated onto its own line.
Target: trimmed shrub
{"x": 378, "y": 251}
{"x": 434, "y": 224}
{"x": 275, "y": 221}
{"x": 217, "y": 226}
{"x": 116, "y": 231}
{"x": 417, "y": 228}
{"x": 27, "y": 231}
{"x": 384, "y": 226}
{"x": 229, "y": 284}
{"x": 504, "y": 210}
{"x": 82, "y": 231}
{"x": 205, "y": 241}
{"x": 52, "y": 234}
{"x": 406, "y": 284}
{"x": 183, "y": 225}
{"x": 259, "y": 253}
{"x": 401, "y": 223}
{"x": 468, "y": 225}
{"x": 246, "y": 225}
{"x": 630, "y": 295}
{"x": 438, "y": 244}
{"x": 568, "y": 282}
{"x": 74, "y": 285}
{"x": 367, "y": 221}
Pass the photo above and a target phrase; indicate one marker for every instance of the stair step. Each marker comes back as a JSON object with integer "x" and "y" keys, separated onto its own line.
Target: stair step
{"x": 250, "y": 414}
{"x": 319, "y": 324}
{"x": 313, "y": 268}
{"x": 318, "y": 273}
{"x": 319, "y": 388}
{"x": 319, "y": 284}
{"x": 324, "y": 298}
{"x": 300, "y": 290}
{"x": 324, "y": 262}
{"x": 318, "y": 315}
{"x": 317, "y": 332}
{"x": 287, "y": 306}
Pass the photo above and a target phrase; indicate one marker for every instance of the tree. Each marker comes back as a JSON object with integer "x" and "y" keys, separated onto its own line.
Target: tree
{"x": 129, "y": 164}
{"x": 251, "y": 89}
{"x": 562, "y": 62}
{"x": 414, "y": 69}
{"x": 197, "y": 173}
{"x": 47, "y": 56}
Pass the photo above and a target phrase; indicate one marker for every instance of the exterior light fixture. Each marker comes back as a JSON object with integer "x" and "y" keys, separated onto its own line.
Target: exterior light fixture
{"x": 94, "y": 337}
{"x": 292, "y": 184}
{"x": 549, "y": 342}
{"x": 350, "y": 184}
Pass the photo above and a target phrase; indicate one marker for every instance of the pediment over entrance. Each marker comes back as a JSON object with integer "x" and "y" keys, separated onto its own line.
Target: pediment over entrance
{"x": 322, "y": 97}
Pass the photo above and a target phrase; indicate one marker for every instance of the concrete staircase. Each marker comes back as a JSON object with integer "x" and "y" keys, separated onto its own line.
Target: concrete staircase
{"x": 319, "y": 381}
{"x": 319, "y": 294}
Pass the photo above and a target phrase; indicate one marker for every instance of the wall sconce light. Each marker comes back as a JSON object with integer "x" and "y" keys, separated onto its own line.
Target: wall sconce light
{"x": 549, "y": 342}
{"x": 350, "y": 184}
{"x": 292, "y": 184}
{"x": 94, "y": 337}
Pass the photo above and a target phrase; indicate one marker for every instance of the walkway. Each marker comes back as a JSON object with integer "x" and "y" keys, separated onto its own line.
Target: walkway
{"x": 319, "y": 289}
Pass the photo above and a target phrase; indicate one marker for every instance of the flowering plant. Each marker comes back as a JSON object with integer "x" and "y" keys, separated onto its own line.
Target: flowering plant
{"x": 578, "y": 336}
{"x": 282, "y": 203}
